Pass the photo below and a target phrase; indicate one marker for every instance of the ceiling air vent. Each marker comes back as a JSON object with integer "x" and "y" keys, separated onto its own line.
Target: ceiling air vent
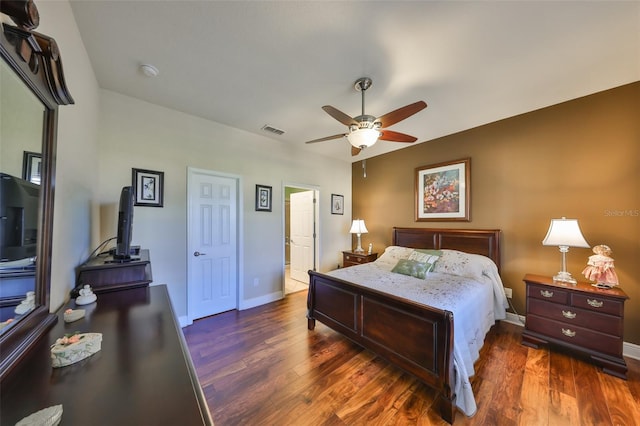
{"x": 268, "y": 128}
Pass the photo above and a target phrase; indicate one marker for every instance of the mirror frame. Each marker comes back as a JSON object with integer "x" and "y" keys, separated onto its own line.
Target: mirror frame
{"x": 35, "y": 59}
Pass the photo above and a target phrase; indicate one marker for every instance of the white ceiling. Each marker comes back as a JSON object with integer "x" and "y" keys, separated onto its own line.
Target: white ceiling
{"x": 250, "y": 63}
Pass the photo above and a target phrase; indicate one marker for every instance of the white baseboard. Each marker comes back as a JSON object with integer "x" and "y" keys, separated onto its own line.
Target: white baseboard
{"x": 184, "y": 321}
{"x": 630, "y": 350}
{"x": 257, "y": 301}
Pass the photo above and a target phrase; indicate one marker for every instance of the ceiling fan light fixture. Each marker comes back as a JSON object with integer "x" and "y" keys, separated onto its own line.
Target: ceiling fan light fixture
{"x": 363, "y": 138}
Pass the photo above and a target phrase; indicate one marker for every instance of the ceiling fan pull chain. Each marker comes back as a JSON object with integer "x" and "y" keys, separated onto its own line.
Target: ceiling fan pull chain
{"x": 364, "y": 167}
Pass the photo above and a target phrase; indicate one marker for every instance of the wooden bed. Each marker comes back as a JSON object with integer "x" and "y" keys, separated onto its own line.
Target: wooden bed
{"x": 413, "y": 336}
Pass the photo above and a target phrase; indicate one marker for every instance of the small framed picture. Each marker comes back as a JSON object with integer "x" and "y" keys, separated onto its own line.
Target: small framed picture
{"x": 337, "y": 204}
{"x": 263, "y": 198}
{"x": 148, "y": 187}
{"x": 32, "y": 167}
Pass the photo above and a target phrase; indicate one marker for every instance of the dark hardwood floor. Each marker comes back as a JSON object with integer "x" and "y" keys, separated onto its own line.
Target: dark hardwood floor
{"x": 263, "y": 367}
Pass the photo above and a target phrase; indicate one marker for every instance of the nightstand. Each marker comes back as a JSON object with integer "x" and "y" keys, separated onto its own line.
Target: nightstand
{"x": 580, "y": 317}
{"x": 350, "y": 258}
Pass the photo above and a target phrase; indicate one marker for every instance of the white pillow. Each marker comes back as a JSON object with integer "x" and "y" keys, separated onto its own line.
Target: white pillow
{"x": 392, "y": 255}
{"x": 463, "y": 264}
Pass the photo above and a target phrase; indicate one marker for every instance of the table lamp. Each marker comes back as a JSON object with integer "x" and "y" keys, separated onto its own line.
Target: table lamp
{"x": 564, "y": 233}
{"x": 358, "y": 228}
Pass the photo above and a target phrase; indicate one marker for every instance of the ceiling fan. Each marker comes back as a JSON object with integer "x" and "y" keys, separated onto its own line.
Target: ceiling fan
{"x": 365, "y": 130}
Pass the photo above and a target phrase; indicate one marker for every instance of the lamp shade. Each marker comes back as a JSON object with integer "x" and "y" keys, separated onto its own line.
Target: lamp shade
{"x": 564, "y": 232}
{"x": 357, "y": 227}
{"x": 363, "y": 138}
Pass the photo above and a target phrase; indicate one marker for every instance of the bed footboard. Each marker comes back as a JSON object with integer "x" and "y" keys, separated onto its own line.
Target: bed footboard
{"x": 415, "y": 337}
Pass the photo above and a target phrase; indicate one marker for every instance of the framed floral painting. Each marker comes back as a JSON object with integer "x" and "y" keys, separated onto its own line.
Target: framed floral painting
{"x": 443, "y": 191}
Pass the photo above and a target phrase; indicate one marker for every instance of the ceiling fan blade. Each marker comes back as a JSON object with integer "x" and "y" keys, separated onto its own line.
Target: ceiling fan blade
{"x": 339, "y": 115}
{"x": 355, "y": 151}
{"x": 328, "y": 138}
{"x": 400, "y": 114}
{"x": 391, "y": 136}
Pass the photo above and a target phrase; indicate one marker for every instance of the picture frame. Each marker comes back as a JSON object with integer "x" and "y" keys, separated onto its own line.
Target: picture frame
{"x": 337, "y": 204}
{"x": 443, "y": 191}
{"x": 263, "y": 198}
{"x": 32, "y": 167}
{"x": 148, "y": 187}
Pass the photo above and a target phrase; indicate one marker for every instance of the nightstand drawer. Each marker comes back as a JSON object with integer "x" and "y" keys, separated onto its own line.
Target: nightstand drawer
{"x": 355, "y": 259}
{"x": 598, "y": 304}
{"x": 575, "y": 335}
{"x": 550, "y": 294}
{"x": 351, "y": 259}
{"x": 577, "y": 317}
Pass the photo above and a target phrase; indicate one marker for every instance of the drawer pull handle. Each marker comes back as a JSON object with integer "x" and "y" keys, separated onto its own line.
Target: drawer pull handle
{"x": 546, "y": 293}
{"x": 595, "y": 303}
{"x": 568, "y": 332}
{"x": 568, "y": 314}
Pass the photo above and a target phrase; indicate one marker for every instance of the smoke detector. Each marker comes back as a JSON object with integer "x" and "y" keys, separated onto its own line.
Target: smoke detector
{"x": 149, "y": 70}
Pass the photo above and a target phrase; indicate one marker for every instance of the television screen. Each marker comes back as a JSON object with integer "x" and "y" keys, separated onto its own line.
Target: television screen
{"x": 125, "y": 225}
{"x": 19, "y": 208}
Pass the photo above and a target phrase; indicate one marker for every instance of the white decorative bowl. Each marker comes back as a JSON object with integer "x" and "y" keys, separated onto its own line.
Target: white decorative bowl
{"x": 49, "y": 416}
{"x": 63, "y": 354}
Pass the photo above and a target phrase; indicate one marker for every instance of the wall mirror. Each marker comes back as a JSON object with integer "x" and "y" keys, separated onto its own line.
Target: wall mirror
{"x": 31, "y": 89}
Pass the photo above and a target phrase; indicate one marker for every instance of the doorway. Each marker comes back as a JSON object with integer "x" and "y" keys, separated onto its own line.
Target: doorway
{"x": 300, "y": 236}
{"x": 212, "y": 242}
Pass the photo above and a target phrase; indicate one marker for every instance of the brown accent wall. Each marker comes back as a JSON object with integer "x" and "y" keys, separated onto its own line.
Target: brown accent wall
{"x": 579, "y": 159}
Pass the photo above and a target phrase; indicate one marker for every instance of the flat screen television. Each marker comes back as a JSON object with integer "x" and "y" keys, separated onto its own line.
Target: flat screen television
{"x": 125, "y": 225}
{"x": 19, "y": 208}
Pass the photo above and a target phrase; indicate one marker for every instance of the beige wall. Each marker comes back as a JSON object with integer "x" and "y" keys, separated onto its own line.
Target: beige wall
{"x": 579, "y": 159}
{"x": 137, "y": 134}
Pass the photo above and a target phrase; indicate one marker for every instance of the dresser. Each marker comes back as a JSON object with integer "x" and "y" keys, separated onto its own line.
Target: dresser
{"x": 350, "y": 258}
{"x": 143, "y": 375}
{"x": 580, "y": 317}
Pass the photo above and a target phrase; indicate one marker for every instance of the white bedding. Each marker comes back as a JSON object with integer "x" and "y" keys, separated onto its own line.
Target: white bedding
{"x": 476, "y": 303}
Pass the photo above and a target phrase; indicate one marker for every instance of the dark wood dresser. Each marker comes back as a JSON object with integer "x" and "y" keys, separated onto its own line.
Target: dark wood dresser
{"x": 143, "y": 375}
{"x": 350, "y": 258}
{"x": 580, "y": 317}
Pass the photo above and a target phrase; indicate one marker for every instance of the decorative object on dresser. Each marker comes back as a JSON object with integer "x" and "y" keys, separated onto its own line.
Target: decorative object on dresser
{"x": 600, "y": 268}
{"x": 564, "y": 233}
{"x": 577, "y": 316}
{"x": 86, "y": 296}
{"x": 71, "y": 315}
{"x": 49, "y": 416}
{"x": 358, "y": 228}
{"x": 75, "y": 347}
{"x": 350, "y": 258}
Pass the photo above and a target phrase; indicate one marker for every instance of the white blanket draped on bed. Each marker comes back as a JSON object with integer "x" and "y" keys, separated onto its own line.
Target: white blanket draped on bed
{"x": 476, "y": 304}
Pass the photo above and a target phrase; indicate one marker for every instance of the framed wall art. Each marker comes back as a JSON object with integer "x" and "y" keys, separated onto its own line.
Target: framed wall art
{"x": 337, "y": 204}
{"x": 148, "y": 187}
{"x": 32, "y": 167}
{"x": 443, "y": 191}
{"x": 263, "y": 198}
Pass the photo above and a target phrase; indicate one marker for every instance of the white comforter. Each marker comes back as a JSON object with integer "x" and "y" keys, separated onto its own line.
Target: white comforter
{"x": 476, "y": 304}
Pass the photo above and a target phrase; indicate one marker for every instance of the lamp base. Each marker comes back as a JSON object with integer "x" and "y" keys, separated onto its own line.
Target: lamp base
{"x": 565, "y": 277}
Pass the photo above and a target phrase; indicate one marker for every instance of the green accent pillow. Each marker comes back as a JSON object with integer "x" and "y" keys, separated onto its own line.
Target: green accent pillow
{"x": 412, "y": 268}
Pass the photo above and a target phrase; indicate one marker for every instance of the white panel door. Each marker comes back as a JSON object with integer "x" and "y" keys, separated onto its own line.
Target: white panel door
{"x": 212, "y": 245}
{"x": 302, "y": 228}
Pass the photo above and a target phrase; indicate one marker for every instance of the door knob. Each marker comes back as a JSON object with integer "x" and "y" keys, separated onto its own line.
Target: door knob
{"x": 197, "y": 253}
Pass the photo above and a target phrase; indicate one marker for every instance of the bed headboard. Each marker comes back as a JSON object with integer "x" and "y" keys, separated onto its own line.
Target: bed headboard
{"x": 477, "y": 241}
